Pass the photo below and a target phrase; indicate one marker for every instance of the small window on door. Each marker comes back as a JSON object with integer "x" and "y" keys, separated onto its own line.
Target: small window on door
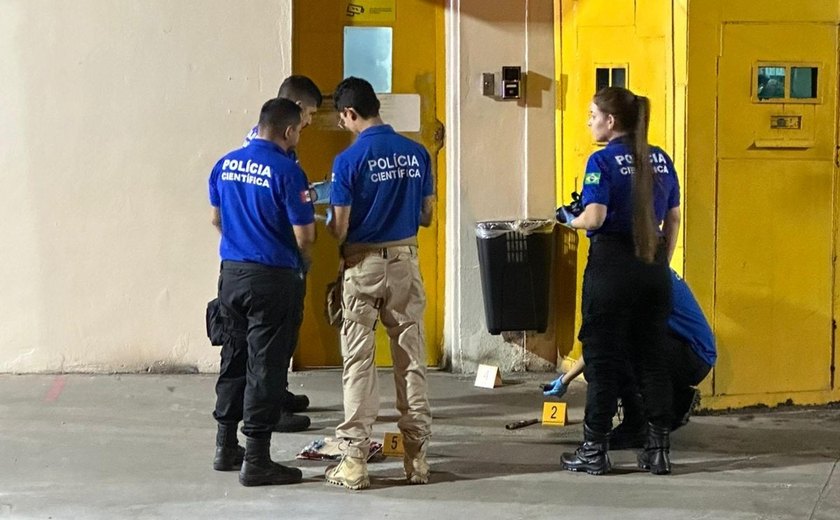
{"x": 771, "y": 83}
{"x": 803, "y": 82}
{"x": 609, "y": 76}
{"x": 786, "y": 83}
{"x": 368, "y": 54}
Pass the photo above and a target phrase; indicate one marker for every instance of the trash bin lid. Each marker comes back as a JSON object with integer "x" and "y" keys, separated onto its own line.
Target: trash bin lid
{"x": 496, "y": 228}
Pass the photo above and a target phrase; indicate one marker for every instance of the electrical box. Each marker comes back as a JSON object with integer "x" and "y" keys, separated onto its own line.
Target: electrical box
{"x": 503, "y": 85}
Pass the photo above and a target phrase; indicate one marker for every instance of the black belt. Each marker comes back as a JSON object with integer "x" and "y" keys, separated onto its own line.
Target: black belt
{"x": 611, "y": 237}
{"x": 617, "y": 237}
{"x": 253, "y": 266}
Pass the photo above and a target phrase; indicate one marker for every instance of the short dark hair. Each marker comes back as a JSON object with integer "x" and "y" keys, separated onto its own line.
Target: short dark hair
{"x": 278, "y": 114}
{"x": 357, "y": 94}
{"x": 301, "y": 89}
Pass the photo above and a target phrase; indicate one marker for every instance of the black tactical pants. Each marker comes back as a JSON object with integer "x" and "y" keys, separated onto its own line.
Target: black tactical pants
{"x": 263, "y": 309}
{"x": 626, "y": 303}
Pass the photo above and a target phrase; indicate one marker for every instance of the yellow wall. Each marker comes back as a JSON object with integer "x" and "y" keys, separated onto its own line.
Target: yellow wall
{"x": 765, "y": 282}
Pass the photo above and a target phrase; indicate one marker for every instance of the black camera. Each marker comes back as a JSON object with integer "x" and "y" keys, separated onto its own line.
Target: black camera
{"x": 575, "y": 208}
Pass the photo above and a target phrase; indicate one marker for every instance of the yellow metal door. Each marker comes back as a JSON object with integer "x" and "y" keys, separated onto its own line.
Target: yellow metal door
{"x": 775, "y": 167}
{"x": 418, "y": 68}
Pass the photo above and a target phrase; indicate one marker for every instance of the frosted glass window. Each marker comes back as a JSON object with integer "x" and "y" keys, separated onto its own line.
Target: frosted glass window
{"x": 368, "y": 54}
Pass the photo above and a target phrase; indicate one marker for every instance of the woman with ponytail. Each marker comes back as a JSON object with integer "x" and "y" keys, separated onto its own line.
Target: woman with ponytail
{"x": 631, "y": 215}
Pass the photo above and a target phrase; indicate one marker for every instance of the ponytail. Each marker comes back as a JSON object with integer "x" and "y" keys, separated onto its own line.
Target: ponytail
{"x": 645, "y": 236}
{"x": 632, "y": 114}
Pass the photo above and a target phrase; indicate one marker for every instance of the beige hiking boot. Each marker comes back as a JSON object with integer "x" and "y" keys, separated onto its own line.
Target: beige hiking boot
{"x": 351, "y": 473}
{"x": 414, "y": 461}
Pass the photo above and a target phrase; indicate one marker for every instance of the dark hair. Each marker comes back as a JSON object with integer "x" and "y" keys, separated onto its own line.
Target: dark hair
{"x": 357, "y": 94}
{"x": 278, "y": 114}
{"x": 632, "y": 115}
{"x": 301, "y": 89}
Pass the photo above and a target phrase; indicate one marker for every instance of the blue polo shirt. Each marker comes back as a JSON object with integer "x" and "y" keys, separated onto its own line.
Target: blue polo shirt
{"x": 688, "y": 322}
{"x": 384, "y": 177}
{"x": 261, "y": 193}
{"x": 608, "y": 181}
{"x": 253, "y": 135}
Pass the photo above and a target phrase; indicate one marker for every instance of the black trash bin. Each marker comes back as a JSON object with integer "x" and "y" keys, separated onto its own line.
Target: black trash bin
{"x": 515, "y": 261}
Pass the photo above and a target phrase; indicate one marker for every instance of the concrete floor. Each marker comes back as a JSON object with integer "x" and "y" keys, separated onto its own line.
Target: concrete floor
{"x": 140, "y": 446}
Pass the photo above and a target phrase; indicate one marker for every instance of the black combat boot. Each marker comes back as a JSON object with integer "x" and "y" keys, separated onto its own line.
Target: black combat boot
{"x": 591, "y": 456}
{"x": 229, "y": 453}
{"x": 289, "y": 422}
{"x": 296, "y": 403}
{"x": 656, "y": 454}
{"x": 259, "y": 470}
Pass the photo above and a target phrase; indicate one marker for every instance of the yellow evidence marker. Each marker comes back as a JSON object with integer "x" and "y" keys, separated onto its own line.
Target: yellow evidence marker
{"x": 554, "y": 414}
{"x": 393, "y": 445}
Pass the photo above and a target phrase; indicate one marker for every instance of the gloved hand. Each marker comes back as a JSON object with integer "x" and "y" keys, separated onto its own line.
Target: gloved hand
{"x": 565, "y": 215}
{"x": 556, "y": 388}
{"x": 329, "y": 216}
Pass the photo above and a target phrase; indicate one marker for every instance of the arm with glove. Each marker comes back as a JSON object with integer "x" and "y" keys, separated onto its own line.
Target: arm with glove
{"x": 558, "y": 387}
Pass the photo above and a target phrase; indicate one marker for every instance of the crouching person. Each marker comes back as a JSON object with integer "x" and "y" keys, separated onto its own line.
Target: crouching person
{"x": 382, "y": 192}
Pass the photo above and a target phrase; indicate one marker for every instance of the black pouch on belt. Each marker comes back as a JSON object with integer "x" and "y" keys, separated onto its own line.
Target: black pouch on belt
{"x": 215, "y": 323}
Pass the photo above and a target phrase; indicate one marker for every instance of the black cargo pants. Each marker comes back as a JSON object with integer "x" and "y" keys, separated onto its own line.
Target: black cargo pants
{"x": 625, "y": 305}
{"x": 263, "y": 309}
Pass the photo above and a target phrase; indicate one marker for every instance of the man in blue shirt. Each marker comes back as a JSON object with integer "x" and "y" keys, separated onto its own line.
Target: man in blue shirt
{"x": 305, "y": 93}
{"x": 382, "y": 192}
{"x": 261, "y": 207}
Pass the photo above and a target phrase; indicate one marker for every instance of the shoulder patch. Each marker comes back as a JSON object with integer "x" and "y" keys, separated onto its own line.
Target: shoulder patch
{"x": 592, "y": 178}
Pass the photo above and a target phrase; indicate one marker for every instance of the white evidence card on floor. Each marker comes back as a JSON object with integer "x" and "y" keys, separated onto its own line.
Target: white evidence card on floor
{"x": 488, "y": 376}
{"x": 393, "y": 445}
{"x": 554, "y": 414}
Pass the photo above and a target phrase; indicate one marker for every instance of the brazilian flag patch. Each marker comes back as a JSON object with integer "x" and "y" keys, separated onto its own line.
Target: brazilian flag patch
{"x": 592, "y": 178}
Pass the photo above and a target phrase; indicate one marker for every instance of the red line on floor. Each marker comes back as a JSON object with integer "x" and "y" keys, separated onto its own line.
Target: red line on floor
{"x": 56, "y": 389}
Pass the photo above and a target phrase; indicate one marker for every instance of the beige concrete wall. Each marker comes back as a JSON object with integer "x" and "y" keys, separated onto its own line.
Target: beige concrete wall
{"x": 111, "y": 115}
{"x": 501, "y": 161}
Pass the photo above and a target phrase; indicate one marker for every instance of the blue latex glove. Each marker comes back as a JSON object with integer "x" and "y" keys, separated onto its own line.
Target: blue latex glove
{"x": 556, "y": 388}
{"x": 565, "y": 215}
{"x": 329, "y": 216}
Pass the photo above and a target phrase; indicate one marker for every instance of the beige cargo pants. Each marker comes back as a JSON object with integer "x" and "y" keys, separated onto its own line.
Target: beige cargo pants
{"x": 384, "y": 285}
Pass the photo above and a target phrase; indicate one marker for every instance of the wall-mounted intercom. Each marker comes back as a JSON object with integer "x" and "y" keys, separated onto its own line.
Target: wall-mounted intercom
{"x": 506, "y": 84}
